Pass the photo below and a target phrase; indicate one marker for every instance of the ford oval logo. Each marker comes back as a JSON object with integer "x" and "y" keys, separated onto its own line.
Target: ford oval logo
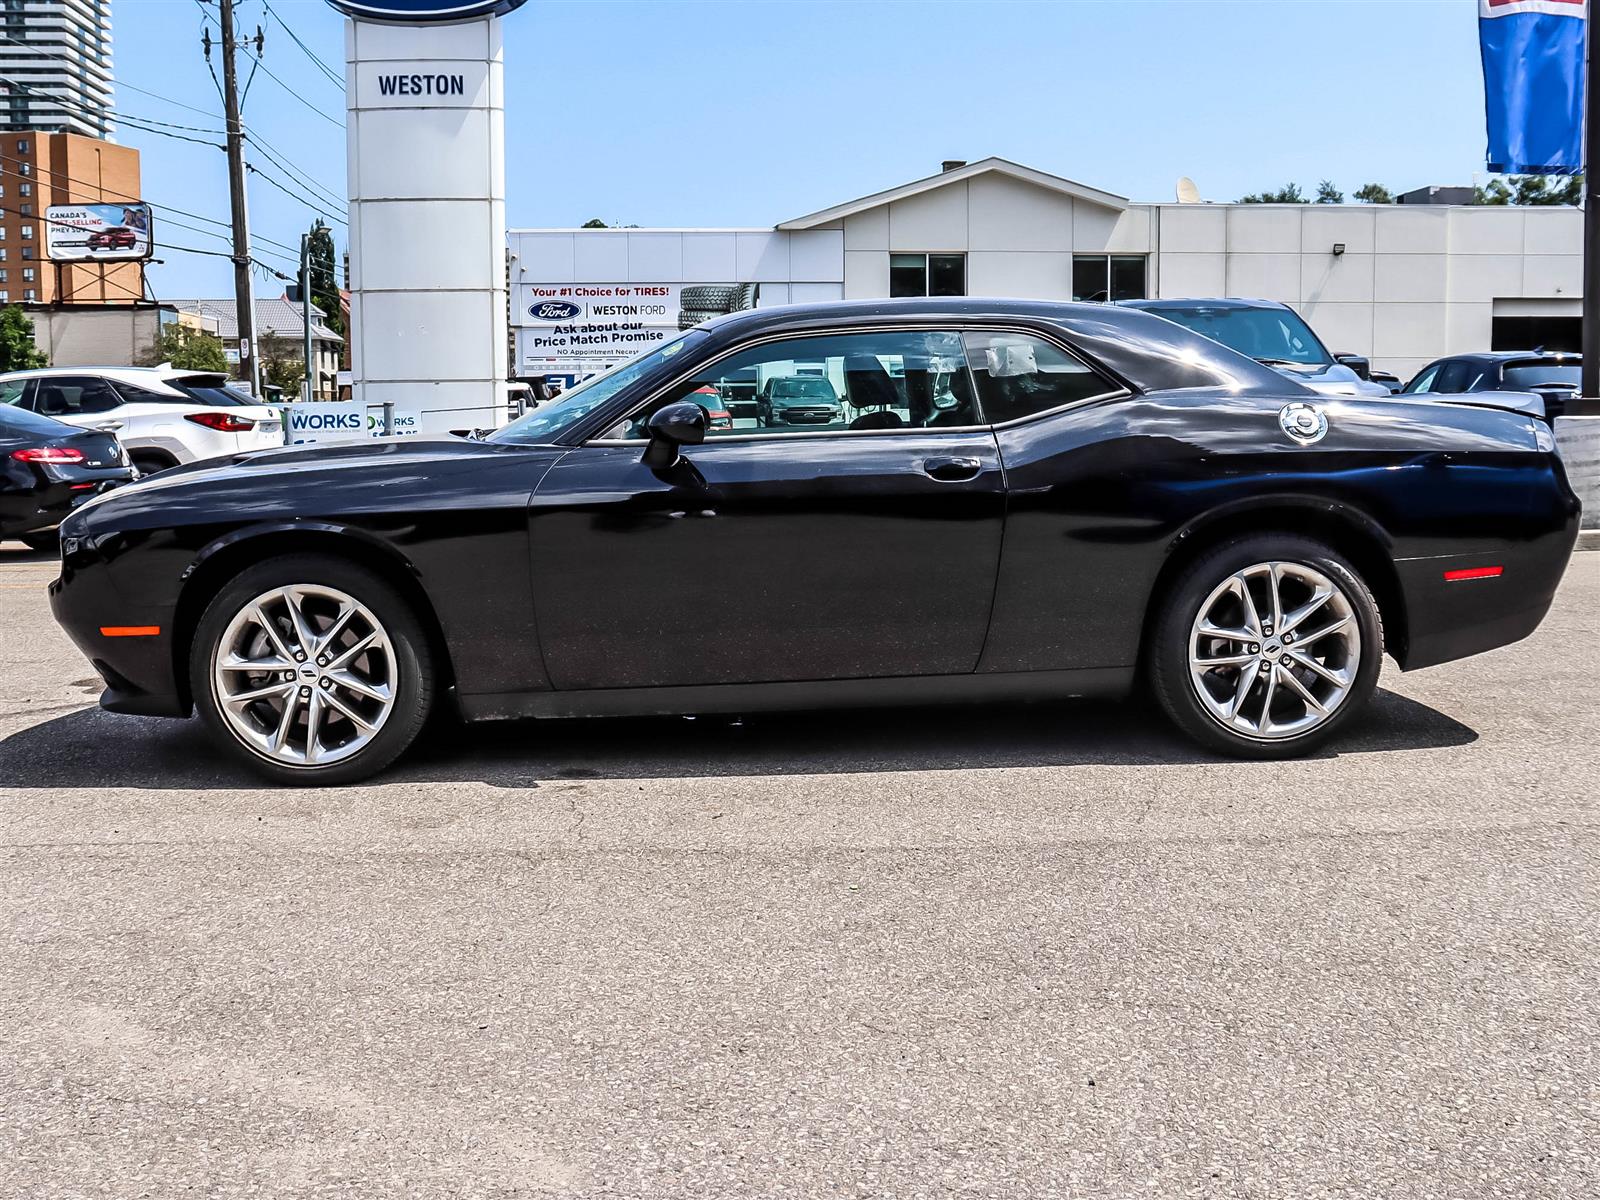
{"x": 554, "y": 310}
{"x": 424, "y": 12}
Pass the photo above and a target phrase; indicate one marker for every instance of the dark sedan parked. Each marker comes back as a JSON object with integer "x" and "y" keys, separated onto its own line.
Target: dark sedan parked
{"x": 1065, "y": 498}
{"x": 1551, "y": 376}
{"x": 48, "y": 467}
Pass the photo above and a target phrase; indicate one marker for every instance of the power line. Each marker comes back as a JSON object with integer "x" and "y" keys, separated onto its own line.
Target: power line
{"x": 268, "y": 72}
{"x": 130, "y": 87}
{"x": 336, "y": 80}
{"x": 166, "y": 208}
{"x": 321, "y": 210}
{"x": 160, "y": 245}
{"x": 299, "y": 177}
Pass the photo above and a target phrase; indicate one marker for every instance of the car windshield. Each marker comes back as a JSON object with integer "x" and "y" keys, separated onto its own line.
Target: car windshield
{"x": 801, "y": 388}
{"x": 1270, "y": 335}
{"x": 548, "y": 421}
{"x": 1542, "y": 374}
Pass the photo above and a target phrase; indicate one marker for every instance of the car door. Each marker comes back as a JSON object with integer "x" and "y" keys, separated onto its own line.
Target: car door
{"x": 864, "y": 547}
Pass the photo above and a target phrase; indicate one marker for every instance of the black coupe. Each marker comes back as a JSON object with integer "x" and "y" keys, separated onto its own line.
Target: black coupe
{"x": 1012, "y": 499}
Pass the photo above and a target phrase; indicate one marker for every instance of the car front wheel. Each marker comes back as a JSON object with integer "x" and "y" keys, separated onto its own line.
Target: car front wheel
{"x": 1266, "y": 646}
{"x": 312, "y": 670}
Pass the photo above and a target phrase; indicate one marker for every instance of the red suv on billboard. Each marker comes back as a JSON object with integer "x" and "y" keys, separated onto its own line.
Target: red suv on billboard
{"x": 118, "y": 237}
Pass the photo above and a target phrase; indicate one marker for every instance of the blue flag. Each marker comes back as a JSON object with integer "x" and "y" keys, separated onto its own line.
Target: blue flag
{"x": 1533, "y": 85}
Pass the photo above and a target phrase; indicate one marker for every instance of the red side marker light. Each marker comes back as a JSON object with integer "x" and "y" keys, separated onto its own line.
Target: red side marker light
{"x": 1473, "y": 573}
{"x": 130, "y": 631}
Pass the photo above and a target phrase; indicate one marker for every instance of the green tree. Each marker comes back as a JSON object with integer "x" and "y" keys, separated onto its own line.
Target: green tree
{"x": 188, "y": 348}
{"x": 324, "y": 283}
{"x": 283, "y": 364}
{"x": 594, "y": 223}
{"x": 1374, "y": 193}
{"x": 18, "y": 350}
{"x": 1328, "y": 194}
{"x": 1531, "y": 190}
{"x": 1289, "y": 193}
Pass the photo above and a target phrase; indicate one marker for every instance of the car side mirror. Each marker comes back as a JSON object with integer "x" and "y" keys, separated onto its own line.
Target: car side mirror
{"x": 679, "y": 424}
{"x": 1358, "y": 363}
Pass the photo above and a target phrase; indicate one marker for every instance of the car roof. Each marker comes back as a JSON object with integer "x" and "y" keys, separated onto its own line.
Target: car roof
{"x": 1504, "y": 356}
{"x": 130, "y": 374}
{"x": 1144, "y": 349}
{"x": 1201, "y": 302}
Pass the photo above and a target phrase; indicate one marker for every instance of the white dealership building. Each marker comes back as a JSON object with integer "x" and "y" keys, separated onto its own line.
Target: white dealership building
{"x": 1401, "y": 283}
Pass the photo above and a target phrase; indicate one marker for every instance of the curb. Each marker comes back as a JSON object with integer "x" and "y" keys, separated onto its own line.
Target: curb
{"x": 1589, "y": 539}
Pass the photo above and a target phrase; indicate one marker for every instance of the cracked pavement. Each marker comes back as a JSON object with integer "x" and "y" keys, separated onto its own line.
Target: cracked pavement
{"x": 1008, "y": 951}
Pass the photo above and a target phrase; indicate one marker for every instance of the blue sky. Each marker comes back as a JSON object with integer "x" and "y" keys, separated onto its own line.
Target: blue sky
{"x": 748, "y": 112}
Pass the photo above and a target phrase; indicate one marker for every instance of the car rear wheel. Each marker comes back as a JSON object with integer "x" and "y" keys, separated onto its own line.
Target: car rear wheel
{"x": 148, "y": 462}
{"x": 312, "y": 670}
{"x": 1266, "y": 646}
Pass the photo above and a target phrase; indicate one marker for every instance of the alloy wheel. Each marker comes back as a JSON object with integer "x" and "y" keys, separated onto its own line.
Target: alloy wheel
{"x": 1274, "y": 650}
{"x": 304, "y": 675}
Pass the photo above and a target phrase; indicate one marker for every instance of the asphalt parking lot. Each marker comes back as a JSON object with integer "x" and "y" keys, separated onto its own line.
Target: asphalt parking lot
{"x": 1045, "y": 951}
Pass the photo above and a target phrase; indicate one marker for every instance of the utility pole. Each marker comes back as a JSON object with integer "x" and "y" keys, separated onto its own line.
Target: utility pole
{"x": 305, "y": 312}
{"x": 244, "y": 301}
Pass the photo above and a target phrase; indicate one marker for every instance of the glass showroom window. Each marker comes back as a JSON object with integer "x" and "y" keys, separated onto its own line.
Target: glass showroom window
{"x": 927, "y": 275}
{"x": 1108, "y": 276}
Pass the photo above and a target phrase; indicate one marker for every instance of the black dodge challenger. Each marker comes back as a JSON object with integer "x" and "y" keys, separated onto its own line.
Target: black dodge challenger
{"x": 1013, "y": 499}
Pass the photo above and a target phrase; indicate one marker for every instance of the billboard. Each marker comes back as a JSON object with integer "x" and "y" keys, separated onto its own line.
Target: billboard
{"x": 97, "y": 232}
{"x": 580, "y": 328}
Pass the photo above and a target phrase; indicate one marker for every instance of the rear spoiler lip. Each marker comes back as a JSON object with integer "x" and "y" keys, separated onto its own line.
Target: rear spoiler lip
{"x": 1526, "y": 404}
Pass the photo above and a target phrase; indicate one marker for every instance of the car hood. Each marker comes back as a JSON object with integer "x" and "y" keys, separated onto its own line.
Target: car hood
{"x": 1331, "y": 379}
{"x": 296, "y": 470}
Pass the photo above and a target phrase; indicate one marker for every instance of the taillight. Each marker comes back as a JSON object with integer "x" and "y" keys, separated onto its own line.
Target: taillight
{"x": 221, "y": 422}
{"x": 48, "y": 454}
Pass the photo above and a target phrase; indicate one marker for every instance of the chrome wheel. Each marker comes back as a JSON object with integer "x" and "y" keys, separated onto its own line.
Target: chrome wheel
{"x": 304, "y": 675}
{"x": 1274, "y": 650}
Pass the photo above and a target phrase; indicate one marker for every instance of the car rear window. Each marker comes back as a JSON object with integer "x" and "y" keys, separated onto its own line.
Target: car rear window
{"x": 19, "y": 422}
{"x": 1536, "y": 374}
{"x": 221, "y": 397}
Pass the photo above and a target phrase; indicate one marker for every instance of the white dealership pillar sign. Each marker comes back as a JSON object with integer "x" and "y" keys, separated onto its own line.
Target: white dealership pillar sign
{"x": 425, "y": 125}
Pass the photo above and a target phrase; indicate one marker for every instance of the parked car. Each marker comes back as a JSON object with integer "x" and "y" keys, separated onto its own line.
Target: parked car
{"x": 1101, "y": 495}
{"x": 797, "y": 400}
{"x": 1552, "y": 376}
{"x": 118, "y": 237}
{"x": 717, "y": 414}
{"x": 47, "y": 468}
{"x": 1274, "y": 334}
{"x": 162, "y": 415}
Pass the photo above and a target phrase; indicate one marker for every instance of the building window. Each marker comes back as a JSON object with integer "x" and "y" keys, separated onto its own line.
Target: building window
{"x": 27, "y": 274}
{"x": 22, "y": 145}
{"x": 27, "y": 252}
{"x": 927, "y": 275}
{"x": 25, "y": 168}
{"x": 26, "y": 189}
{"x": 1108, "y": 277}
{"x": 2, "y": 275}
{"x": 5, "y": 296}
{"x": 27, "y": 232}
{"x": 2, "y": 233}
{"x": 25, "y": 210}
{"x": 29, "y": 294}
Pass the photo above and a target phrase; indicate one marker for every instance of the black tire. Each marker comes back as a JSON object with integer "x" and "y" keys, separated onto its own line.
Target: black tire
{"x": 689, "y": 318}
{"x": 148, "y": 462}
{"x": 714, "y": 298}
{"x": 1168, "y": 654}
{"x": 44, "y": 543}
{"x": 413, "y": 688}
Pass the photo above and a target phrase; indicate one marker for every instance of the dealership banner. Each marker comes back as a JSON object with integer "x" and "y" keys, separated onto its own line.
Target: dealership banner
{"x": 313, "y": 422}
{"x": 97, "y": 232}
{"x": 579, "y": 328}
{"x": 1533, "y": 85}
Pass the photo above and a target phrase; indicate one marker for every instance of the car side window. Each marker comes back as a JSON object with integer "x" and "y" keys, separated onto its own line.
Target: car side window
{"x": 132, "y": 393}
{"x": 891, "y": 379}
{"x": 70, "y": 395}
{"x": 1457, "y": 377}
{"x": 1424, "y": 382}
{"x": 1018, "y": 375}
{"x": 14, "y": 391}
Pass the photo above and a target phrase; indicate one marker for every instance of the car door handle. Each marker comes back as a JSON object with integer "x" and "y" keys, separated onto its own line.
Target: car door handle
{"x": 107, "y": 426}
{"x": 951, "y": 470}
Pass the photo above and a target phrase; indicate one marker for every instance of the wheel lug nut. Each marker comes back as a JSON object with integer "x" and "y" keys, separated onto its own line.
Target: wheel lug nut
{"x": 288, "y": 676}
{"x": 323, "y": 661}
{"x": 326, "y": 682}
{"x": 1255, "y": 648}
{"x": 305, "y": 692}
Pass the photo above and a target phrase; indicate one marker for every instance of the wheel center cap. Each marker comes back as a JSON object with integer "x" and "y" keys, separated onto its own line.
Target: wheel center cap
{"x": 308, "y": 673}
{"x": 1273, "y": 650}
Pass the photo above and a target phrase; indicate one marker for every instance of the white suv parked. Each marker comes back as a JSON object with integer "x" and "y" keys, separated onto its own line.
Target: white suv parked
{"x": 163, "y": 416}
